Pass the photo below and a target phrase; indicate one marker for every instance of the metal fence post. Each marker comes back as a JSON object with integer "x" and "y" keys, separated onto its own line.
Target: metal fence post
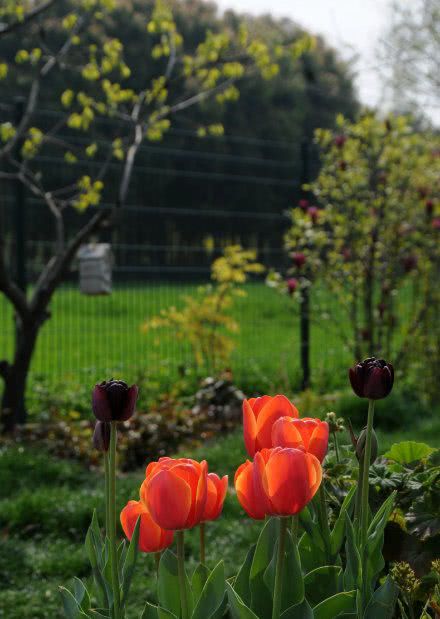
{"x": 305, "y": 293}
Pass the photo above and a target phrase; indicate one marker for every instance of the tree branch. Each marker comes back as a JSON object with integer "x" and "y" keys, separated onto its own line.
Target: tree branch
{"x": 15, "y": 25}
{"x": 11, "y": 291}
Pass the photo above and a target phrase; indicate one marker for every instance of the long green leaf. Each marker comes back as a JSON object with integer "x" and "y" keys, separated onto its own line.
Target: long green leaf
{"x": 241, "y": 582}
{"x": 130, "y": 562}
{"x": 299, "y": 611}
{"x": 330, "y": 608}
{"x": 352, "y": 574}
{"x": 381, "y": 604}
{"x": 322, "y": 583}
{"x": 168, "y": 591}
{"x": 237, "y": 608}
{"x": 261, "y": 596}
{"x": 212, "y": 594}
{"x": 198, "y": 580}
{"x": 338, "y": 533}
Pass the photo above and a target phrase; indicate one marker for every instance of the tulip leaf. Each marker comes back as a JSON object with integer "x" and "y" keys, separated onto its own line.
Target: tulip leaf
{"x": 375, "y": 561}
{"x": 212, "y": 594}
{"x": 338, "y": 533}
{"x": 311, "y": 555}
{"x": 352, "y": 574}
{"x": 156, "y": 612}
{"x": 344, "y": 602}
{"x": 293, "y": 583}
{"x": 382, "y": 602}
{"x": 322, "y": 583}
{"x": 168, "y": 591}
{"x": 261, "y": 596}
{"x": 71, "y": 607}
{"x": 198, "y": 580}
{"x": 94, "y": 548}
{"x": 303, "y": 610}
{"x": 311, "y": 527}
{"x": 407, "y": 452}
{"x": 241, "y": 582}
{"x": 129, "y": 564}
{"x": 237, "y": 608}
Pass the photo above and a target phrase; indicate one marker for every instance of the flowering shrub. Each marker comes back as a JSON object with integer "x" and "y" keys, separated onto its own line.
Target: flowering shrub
{"x": 302, "y": 565}
{"x": 204, "y": 321}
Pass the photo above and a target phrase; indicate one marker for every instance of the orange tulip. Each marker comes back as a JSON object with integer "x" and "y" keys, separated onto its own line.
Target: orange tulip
{"x": 175, "y": 492}
{"x": 216, "y": 493}
{"x": 259, "y": 415}
{"x": 279, "y": 482}
{"x": 151, "y": 537}
{"x": 311, "y": 434}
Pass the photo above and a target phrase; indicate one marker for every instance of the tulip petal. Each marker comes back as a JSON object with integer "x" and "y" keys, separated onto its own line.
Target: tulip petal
{"x": 318, "y": 444}
{"x": 244, "y": 486}
{"x": 216, "y": 493}
{"x": 130, "y": 403}
{"x": 249, "y": 428}
{"x": 288, "y": 485}
{"x": 278, "y": 406}
{"x": 315, "y": 474}
{"x": 168, "y": 498}
{"x": 100, "y": 404}
{"x": 151, "y": 537}
{"x": 258, "y": 403}
{"x": 285, "y": 433}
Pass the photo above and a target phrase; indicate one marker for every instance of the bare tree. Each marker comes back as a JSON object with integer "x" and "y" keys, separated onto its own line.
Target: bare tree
{"x": 409, "y": 54}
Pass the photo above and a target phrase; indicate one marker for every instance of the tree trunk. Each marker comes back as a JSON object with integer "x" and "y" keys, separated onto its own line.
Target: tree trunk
{"x": 13, "y": 407}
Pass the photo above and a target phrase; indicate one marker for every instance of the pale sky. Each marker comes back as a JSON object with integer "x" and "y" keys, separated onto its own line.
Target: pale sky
{"x": 351, "y": 26}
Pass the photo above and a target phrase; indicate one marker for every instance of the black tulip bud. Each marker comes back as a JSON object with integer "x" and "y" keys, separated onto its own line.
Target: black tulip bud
{"x": 101, "y": 436}
{"x": 372, "y": 378}
{"x": 114, "y": 400}
{"x": 360, "y": 445}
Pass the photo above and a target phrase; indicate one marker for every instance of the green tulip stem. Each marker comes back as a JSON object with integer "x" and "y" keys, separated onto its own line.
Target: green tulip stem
{"x": 181, "y": 574}
{"x": 202, "y": 542}
{"x": 364, "y": 500}
{"x": 323, "y": 521}
{"x": 294, "y": 527}
{"x": 112, "y": 523}
{"x": 157, "y": 556}
{"x": 278, "y": 587}
{"x": 107, "y": 476}
{"x": 365, "y": 475}
{"x": 358, "y": 502}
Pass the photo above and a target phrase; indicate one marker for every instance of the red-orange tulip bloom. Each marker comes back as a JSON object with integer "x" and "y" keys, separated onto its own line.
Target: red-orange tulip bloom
{"x": 175, "y": 492}
{"x": 215, "y": 498}
{"x": 311, "y": 434}
{"x": 151, "y": 537}
{"x": 259, "y": 415}
{"x": 279, "y": 482}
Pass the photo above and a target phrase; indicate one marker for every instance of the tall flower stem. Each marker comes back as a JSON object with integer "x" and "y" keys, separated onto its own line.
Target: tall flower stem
{"x": 365, "y": 475}
{"x": 358, "y": 501}
{"x": 277, "y": 593}
{"x": 364, "y": 499}
{"x": 157, "y": 556}
{"x": 202, "y": 542}
{"x": 107, "y": 481}
{"x": 323, "y": 521}
{"x": 112, "y": 523}
{"x": 294, "y": 528}
{"x": 181, "y": 574}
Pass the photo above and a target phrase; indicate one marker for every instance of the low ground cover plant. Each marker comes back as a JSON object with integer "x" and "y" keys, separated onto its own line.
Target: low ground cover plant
{"x": 303, "y": 565}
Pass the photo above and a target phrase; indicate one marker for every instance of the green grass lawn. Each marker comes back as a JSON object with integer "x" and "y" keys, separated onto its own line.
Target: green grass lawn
{"x": 89, "y": 338}
{"x": 46, "y": 505}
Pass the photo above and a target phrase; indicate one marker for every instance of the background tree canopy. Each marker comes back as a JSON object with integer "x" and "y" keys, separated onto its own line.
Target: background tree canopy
{"x": 274, "y": 115}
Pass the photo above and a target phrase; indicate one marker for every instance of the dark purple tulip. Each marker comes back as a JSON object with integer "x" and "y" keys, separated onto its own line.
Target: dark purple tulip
{"x": 114, "y": 400}
{"x": 292, "y": 285}
{"x": 101, "y": 436}
{"x": 372, "y": 378}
